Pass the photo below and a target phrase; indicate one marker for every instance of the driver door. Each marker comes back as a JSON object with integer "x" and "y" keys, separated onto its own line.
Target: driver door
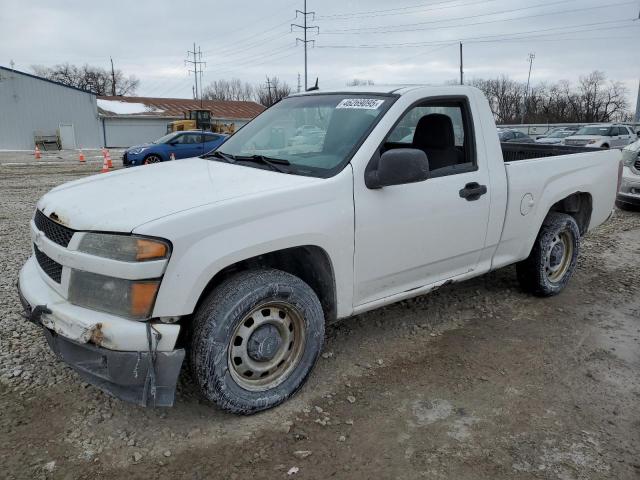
{"x": 412, "y": 235}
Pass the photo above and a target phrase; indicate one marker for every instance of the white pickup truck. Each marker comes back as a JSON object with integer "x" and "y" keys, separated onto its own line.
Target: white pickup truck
{"x": 241, "y": 257}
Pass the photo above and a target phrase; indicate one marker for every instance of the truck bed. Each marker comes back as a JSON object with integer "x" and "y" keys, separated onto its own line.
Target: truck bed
{"x": 512, "y": 152}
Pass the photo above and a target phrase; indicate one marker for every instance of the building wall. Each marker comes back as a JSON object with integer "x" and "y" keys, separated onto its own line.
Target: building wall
{"x": 127, "y": 131}
{"x": 30, "y": 104}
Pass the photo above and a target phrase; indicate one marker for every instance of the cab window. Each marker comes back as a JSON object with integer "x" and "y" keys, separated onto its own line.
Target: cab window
{"x": 443, "y": 130}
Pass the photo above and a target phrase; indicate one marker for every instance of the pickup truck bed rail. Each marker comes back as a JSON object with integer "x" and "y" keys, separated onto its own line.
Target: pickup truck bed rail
{"x": 512, "y": 152}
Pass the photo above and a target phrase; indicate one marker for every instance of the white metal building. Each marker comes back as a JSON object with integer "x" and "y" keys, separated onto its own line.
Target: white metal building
{"x": 128, "y": 121}
{"x": 36, "y": 109}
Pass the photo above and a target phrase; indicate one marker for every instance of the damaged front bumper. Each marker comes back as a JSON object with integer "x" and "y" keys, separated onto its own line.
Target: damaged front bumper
{"x": 144, "y": 377}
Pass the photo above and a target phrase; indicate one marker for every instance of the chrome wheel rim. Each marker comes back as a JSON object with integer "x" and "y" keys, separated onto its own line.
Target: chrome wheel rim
{"x": 558, "y": 256}
{"x": 266, "y": 346}
{"x": 151, "y": 159}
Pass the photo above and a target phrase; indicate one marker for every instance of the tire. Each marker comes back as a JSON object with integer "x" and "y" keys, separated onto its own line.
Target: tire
{"x": 242, "y": 327}
{"x": 605, "y": 146}
{"x": 553, "y": 258}
{"x": 152, "y": 158}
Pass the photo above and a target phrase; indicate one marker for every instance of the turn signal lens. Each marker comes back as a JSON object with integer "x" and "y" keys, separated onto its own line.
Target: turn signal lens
{"x": 150, "y": 250}
{"x": 143, "y": 296}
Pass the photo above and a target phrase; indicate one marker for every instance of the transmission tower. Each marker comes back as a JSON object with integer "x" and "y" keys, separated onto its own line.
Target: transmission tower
{"x": 194, "y": 60}
{"x": 304, "y": 27}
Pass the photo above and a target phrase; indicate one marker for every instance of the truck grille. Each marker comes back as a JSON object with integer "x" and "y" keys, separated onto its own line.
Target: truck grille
{"x": 53, "y": 231}
{"x": 52, "y": 268}
{"x": 637, "y": 164}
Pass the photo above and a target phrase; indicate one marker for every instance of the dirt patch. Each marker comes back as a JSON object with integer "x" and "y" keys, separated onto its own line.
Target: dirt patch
{"x": 477, "y": 380}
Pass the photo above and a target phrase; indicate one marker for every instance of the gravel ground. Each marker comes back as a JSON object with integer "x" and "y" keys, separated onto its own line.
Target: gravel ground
{"x": 477, "y": 380}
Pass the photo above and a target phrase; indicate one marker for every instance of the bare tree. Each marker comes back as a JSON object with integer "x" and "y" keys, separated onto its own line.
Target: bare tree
{"x": 233, "y": 89}
{"x": 593, "y": 99}
{"x": 95, "y": 79}
{"x": 272, "y": 92}
{"x": 357, "y": 82}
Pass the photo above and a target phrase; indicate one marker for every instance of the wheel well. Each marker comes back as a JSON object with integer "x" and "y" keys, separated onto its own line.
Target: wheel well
{"x": 579, "y": 205}
{"x": 309, "y": 263}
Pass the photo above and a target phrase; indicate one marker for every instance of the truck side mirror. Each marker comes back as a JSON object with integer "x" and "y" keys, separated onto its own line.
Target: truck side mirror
{"x": 398, "y": 167}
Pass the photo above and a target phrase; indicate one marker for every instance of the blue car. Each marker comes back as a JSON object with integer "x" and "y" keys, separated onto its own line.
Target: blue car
{"x": 182, "y": 144}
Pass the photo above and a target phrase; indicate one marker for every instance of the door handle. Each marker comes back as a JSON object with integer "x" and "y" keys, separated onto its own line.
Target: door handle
{"x": 473, "y": 191}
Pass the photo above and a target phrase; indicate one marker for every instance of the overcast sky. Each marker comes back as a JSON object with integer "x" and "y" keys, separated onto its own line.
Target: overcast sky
{"x": 404, "y": 41}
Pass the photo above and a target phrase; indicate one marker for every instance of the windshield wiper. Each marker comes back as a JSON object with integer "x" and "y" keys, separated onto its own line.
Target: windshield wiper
{"x": 217, "y": 154}
{"x": 274, "y": 163}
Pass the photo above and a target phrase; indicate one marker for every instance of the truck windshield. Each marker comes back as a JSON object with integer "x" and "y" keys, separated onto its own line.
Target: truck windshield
{"x": 313, "y": 135}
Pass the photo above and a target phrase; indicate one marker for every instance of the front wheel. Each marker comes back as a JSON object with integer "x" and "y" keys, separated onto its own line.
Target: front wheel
{"x": 153, "y": 158}
{"x": 553, "y": 258}
{"x": 255, "y": 340}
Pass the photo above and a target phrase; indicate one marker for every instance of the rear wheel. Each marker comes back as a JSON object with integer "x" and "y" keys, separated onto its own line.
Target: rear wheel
{"x": 553, "y": 258}
{"x": 153, "y": 158}
{"x": 605, "y": 146}
{"x": 255, "y": 340}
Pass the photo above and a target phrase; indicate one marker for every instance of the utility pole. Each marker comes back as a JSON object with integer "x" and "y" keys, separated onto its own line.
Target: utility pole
{"x": 113, "y": 79}
{"x": 532, "y": 56}
{"x": 638, "y": 105}
{"x": 461, "y": 67}
{"x": 304, "y": 27}
{"x": 269, "y": 89}
{"x": 197, "y": 69}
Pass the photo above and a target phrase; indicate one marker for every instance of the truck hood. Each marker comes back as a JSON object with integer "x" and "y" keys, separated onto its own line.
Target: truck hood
{"x": 122, "y": 200}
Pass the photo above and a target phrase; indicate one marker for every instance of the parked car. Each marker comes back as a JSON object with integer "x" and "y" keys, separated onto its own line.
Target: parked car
{"x": 514, "y": 136}
{"x": 571, "y": 128}
{"x": 602, "y": 136}
{"x": 181, "y": 144}
{"x": 555, "y": 138}
{"x": 629, "y": 193}
{"x": 240, "y": 258}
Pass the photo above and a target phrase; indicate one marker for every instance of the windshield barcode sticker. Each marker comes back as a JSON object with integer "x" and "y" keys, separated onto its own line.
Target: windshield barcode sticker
{"x": 361, "y": 103}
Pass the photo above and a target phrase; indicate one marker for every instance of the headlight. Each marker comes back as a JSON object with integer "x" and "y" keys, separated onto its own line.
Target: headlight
{"x": 592, "y": 141}
{"x": 630, "y": 158}
{"x": 126, "y": 298}
{"x": 137, "y": 151}
{"x": 126, "y": 248}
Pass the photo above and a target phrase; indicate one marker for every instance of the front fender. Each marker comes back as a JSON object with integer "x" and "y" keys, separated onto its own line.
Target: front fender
{"x": 210, "y": 238}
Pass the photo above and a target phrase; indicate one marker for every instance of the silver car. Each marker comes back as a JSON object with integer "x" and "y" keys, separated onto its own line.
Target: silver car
{"x": 629, "y": 193}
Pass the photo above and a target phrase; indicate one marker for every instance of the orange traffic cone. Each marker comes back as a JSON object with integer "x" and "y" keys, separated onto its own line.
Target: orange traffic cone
{"x": 108, "y": 157}
{"x": 172, "y": 156}
{"x": 37, "y": 153}
{"x": 105, "y": 165}
{"x": 81, "y": 156}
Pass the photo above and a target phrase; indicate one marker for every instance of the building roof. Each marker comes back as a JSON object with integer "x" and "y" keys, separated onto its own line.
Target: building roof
{"x": 176, "y": 107}
{"x": 31, "y": 75}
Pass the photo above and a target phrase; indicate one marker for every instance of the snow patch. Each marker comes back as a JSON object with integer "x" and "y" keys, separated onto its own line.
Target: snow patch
{"x": 126, "y": 108}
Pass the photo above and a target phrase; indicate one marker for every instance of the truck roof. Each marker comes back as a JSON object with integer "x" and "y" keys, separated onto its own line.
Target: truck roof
{"x": 398, "y": 89}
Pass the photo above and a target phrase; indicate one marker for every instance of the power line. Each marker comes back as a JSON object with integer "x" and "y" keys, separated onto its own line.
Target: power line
{"x": 495, "y": 36}
{"x": 402, "y": 60}
{"x": 377, "y": 29}
{"x": 393, "y": 12}
{"x": 304, "y": 27}
{"x": 389, "y": 11}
